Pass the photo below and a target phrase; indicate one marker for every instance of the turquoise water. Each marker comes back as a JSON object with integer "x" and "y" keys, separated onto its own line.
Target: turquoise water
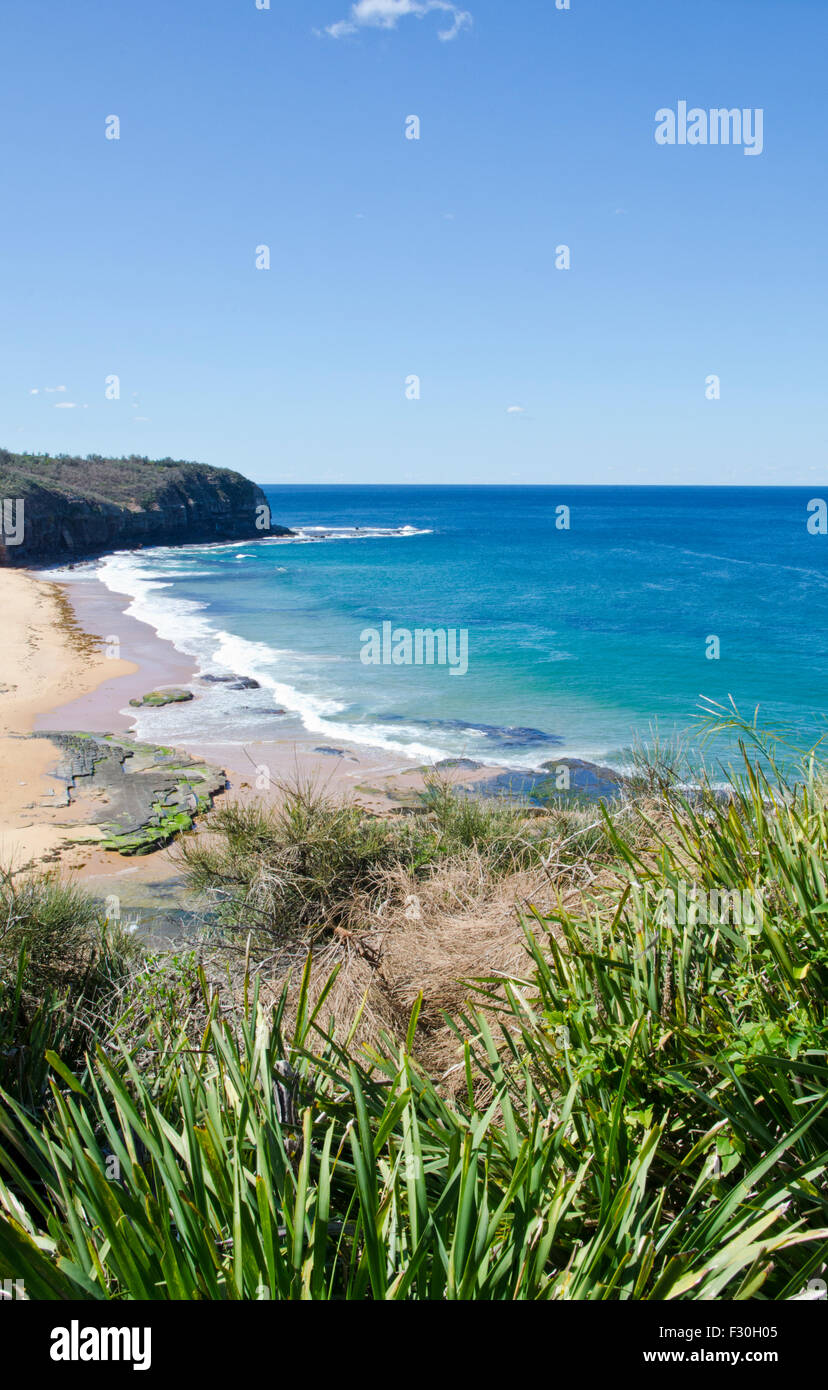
{"x": 578, "y": 638}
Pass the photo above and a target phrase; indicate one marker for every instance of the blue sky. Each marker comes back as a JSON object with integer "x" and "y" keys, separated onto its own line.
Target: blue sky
{"x": 243, "y": 127}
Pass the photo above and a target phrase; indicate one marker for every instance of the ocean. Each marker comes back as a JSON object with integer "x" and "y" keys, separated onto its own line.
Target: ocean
{"x": 591, "y": 614}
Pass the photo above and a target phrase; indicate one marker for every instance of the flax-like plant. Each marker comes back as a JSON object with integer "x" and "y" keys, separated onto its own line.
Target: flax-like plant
{"x": 206, "y": 1186}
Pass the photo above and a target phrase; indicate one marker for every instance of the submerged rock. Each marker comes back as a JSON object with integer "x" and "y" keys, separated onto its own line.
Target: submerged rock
{"x": 233, "y": 682}
{"x": 584, "y": 781}
{"x": 459, "y": 764}
{"x": 498, "y": 736}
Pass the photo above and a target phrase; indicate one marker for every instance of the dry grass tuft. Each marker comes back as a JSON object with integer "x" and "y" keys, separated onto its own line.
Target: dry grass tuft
{"x": 400, "y": 910}
{"x": 428, "y": 938}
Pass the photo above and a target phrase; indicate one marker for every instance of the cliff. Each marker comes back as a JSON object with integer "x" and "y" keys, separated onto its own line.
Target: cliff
{"x": 59, "y": 509}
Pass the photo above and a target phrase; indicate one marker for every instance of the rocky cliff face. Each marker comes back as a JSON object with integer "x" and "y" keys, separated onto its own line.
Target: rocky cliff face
{"x": 66, "y": 508}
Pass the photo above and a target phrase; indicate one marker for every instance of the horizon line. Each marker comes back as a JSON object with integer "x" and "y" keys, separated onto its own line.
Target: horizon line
{"x": 687, "y": 487}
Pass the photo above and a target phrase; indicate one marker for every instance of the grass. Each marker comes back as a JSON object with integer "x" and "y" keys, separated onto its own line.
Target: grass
{"x": 285, "y": 871}
{"x": 312, "y": 865}
{"x": 640, "y": 1109}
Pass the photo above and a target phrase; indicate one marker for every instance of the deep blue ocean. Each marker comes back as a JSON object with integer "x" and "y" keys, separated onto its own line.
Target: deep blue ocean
{"x": 580, "y": 639}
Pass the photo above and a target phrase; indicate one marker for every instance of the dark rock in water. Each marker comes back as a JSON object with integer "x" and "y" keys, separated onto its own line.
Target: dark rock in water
{"x": 461, "y": 764}
{"x": 579, "y": 765}
{"x": 334, "y": 752}
{"x": 233, "y": 682}
{"x": 510, "y": 737}
{"x": 507, "y": 786}
{"x": 585, "y": 781}
{"x": 498, "y": 736}
{"x": 156, "y": 698}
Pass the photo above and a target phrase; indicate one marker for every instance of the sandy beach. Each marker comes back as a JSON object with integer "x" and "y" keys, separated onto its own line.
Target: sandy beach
{"x": 49, "y": 659}
{"x": 73, "y": 659}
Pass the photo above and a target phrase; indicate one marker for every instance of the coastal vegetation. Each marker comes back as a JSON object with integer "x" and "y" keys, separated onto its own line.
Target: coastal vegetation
{"x": 471, "y": 1054}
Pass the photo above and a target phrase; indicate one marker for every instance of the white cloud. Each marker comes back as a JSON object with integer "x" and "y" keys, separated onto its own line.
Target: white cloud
{"x": 386, "y": 14}
{"x": 65, "y": 405}
{"x": 514, "y": 410}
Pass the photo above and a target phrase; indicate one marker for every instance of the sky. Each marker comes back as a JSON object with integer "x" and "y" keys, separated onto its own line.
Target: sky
{"x": 434, "y": 258}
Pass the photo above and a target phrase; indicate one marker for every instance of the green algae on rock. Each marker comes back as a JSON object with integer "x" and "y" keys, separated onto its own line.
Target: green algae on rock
{"x": 152, "y": 794}
{"x": 157, "y": 698}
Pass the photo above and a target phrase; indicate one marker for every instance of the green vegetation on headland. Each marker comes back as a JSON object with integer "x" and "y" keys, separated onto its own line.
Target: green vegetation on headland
{"x": 76, "y": 507}
{"x": 635, "y": 1109}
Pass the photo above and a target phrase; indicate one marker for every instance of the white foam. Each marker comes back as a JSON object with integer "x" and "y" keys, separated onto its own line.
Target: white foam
{"x": 175, "y": 620}
{"x": 356, "y": 533}
{"x": 317, "y": 713}
{"x": 182, "y": 622}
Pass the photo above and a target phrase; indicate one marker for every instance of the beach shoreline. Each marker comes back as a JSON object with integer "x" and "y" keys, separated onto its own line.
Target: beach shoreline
{"x": 49, "y": 658}
{"x": 73, "y": 659}
{"x": 254, "y": 766}
{"x": 76, "y": 658}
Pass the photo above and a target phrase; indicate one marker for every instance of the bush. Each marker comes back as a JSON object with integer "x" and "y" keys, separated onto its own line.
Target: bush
{"x": 311, "y": 863}
{"x": 284, "y": 871}
{"x": 61, "y": 969}
{"x": 264, "y": 1167}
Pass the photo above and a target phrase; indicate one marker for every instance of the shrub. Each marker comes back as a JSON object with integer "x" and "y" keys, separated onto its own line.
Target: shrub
{"x": 61, "y": 969}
